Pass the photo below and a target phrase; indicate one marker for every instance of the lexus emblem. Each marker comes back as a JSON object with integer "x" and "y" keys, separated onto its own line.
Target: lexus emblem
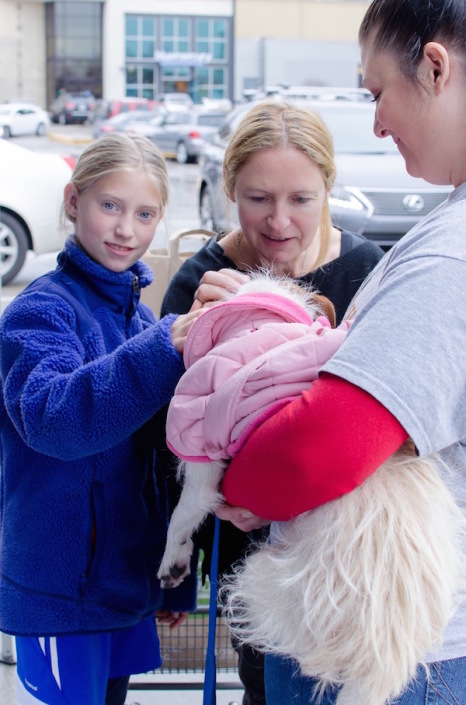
{"x": 413, "y": 202}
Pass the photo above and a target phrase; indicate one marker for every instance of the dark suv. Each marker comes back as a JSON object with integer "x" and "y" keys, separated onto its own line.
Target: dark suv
{"x": 373, "y": 194}
{"x": 72, "y": 108}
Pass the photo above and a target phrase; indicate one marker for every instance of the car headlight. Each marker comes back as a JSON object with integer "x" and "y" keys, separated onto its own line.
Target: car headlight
{"x": 349, "y": 199}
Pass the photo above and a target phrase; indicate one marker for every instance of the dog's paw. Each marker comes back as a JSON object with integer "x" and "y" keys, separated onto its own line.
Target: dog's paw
{"x": 175, "y": 564}
{"x": 174, "y": 576}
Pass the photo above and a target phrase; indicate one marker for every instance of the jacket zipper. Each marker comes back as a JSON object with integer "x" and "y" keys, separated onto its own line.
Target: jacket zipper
{"x": 136, "y": 289}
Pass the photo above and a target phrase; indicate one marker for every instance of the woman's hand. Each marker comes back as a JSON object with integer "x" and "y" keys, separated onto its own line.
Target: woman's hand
{"x": 242, "y": 518}
{"x": 173, "y": 619}
{"x": 181, "y": 326}
{"x": 216, "y": 286}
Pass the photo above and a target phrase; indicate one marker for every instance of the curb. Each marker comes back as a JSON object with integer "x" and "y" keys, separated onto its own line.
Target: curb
{"x": 70, "y": 139}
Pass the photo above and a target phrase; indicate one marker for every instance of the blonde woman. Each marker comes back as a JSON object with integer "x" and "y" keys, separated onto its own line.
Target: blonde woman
{"x": 279, "y": 170}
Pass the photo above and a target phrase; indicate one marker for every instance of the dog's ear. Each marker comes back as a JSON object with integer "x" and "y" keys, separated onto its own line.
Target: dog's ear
{"x": 327, "y": 307}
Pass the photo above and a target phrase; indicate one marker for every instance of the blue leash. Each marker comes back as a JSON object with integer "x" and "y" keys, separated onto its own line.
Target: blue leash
{"x": 210, "y": 680}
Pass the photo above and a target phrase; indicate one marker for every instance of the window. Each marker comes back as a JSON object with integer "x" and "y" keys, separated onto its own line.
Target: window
{"x": 212, "y": 38}
{"x": 141, "y": 44}
{"x": 140, "y": 37}
{"x": 140, "y": 82}
{"x": 150, "y": 72}
{"x": 211, "y": 82}
{"x": 74, "y": 47}
{"x": 175, "y": 34}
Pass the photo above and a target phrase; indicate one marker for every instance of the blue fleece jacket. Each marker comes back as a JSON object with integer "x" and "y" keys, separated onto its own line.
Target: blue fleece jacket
{"x": 84, "y": 367}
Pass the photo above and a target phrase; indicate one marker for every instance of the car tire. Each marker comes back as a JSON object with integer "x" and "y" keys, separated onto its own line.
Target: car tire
{"x": 6, "y": 132}
{"x": 14, "y": 245}
{"x": 206, "y": 210}
{"x": 182, "y": 156}
{"x": 41, "y": 129}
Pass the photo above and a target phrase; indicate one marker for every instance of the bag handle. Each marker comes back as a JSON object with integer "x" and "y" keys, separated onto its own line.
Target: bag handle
{"x": 175, "y": 240}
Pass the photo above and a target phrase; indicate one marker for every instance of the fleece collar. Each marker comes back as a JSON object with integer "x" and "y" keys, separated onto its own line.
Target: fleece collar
{"x": 116, "y": 288}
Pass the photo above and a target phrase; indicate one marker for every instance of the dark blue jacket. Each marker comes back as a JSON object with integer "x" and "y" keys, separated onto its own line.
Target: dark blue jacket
{"x": 83, "y": 367}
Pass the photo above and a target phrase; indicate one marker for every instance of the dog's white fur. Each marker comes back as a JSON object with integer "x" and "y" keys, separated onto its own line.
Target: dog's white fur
{"x": 358, "y": 591}
{"x": 199, "y": 497}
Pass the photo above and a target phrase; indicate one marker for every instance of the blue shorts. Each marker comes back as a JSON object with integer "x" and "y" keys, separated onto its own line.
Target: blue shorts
{"x": 75, "y": 669}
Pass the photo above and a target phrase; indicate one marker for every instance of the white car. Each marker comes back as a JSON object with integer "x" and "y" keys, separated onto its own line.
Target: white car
{"x": 31, "y": 194}
{"x": 22, "y": 119}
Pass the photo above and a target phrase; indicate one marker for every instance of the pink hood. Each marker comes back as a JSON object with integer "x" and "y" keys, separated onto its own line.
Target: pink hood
{"x": 244, "y": 359}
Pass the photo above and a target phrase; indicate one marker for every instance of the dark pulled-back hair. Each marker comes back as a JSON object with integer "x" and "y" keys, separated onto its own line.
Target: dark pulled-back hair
{"x": 404, "y": 27}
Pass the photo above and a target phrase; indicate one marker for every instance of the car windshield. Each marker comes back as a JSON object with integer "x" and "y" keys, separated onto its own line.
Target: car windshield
{"x": 179, "y": 118}
{"x": 117, "y": 119}
{"x": 352, "y": 129}
{"x": 351, "y": 125}
{"x": 144, "y": 115}
{"x": 178, "y": 97}
{"x": 211, "y": 119}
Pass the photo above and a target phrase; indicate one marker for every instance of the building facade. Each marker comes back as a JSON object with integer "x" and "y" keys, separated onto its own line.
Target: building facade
{"x": 167, "y": 47}
{"x": 210, "y": 48}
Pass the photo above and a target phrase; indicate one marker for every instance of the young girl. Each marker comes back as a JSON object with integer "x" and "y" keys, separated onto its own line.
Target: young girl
{"x": 401, "y": 369}
{"x": 84, "y": 367}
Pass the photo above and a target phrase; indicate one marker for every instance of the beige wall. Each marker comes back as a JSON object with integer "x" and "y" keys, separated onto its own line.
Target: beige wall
{"x": 22, "y": 51}
{"x": 22, "y": 33}
{"x": 299, "y": 19}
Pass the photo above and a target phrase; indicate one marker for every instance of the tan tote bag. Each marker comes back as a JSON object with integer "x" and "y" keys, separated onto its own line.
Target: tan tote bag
{"x": 166, "y": 261}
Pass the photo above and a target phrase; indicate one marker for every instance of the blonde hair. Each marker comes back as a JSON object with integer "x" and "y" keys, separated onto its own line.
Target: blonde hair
{"x": 119, "y": 152}
{"x": 272, "y": 124}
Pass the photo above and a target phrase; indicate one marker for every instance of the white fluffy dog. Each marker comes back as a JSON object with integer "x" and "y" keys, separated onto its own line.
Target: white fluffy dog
{"x": 359, "y": 590}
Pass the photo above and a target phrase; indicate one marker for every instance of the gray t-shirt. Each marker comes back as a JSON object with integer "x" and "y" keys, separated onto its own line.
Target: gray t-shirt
{"x": 407, "y": 349}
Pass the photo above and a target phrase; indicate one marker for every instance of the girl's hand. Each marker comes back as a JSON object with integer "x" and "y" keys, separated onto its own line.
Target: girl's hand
{"x": 242, "y": 518}
{"x": 173, "y": 619}
{"x": 216, "y": 286}
{"x": 181, "y": 326}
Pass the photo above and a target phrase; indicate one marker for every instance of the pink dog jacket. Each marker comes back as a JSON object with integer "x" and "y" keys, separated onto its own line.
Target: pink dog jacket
{"x": 245, "y": 358}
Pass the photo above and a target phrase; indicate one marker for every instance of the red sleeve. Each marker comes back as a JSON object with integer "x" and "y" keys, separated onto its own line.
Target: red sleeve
{"x": 312, "y": 451}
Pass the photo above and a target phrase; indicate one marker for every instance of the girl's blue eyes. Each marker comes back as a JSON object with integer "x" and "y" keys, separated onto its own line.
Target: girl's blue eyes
{"x": 109, "y": 206}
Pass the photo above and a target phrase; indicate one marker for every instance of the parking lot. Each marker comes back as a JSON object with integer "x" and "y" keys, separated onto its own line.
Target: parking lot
{"x": 65, "y": 140}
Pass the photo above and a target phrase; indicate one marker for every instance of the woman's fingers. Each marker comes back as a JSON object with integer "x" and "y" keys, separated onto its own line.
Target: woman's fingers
{"x": 216, "y": 286}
